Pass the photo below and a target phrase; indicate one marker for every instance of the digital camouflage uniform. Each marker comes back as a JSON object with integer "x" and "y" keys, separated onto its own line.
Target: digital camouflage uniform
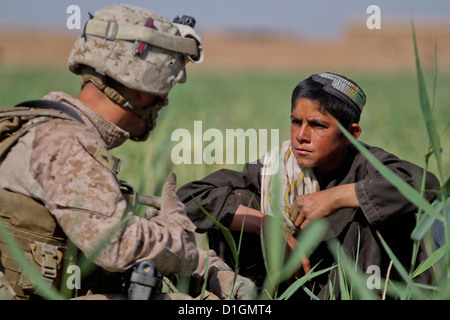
{"x": 65, "y": 164}
{"x": 56, "y": 163}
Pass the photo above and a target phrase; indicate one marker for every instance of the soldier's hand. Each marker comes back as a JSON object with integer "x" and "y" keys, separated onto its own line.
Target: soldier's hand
{"x": 221, "y": 282}
{"x": 245, "y": 289}
{"x": 170, "y": 203}
{"x": 151, "y": 213}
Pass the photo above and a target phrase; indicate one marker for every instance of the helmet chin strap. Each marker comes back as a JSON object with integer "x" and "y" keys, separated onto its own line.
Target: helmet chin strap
{"x": 148, "y": 113}
{"x": 108, "y": 86}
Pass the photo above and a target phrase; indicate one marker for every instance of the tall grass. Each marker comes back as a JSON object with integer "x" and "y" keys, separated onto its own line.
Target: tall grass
{"x": 219, "y": 101}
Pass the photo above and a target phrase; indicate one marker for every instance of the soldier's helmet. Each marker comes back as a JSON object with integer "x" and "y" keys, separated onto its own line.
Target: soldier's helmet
{"x": 136, "y": 48}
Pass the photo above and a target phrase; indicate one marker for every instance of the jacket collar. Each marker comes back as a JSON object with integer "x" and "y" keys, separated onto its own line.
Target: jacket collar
{"x": 112, "y": 135}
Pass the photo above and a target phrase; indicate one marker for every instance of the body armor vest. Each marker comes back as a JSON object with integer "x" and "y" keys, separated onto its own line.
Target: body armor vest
{"x": 26, "y": 224}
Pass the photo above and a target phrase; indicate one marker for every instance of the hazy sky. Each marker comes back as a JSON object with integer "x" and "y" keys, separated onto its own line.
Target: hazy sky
{"x": 319, "y": 17}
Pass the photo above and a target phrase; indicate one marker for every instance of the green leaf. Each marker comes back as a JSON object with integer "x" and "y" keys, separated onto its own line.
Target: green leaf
{"x": 432, "y": 259}
{"x": 301, "y": 281}
{"x": 226, "y": 232}
{"x": 426, "y": 109}
{"x": 409, "y": 192}
{"x": 402, "y": 271}
{"x": 356, "y": 279}
{"x": 425, "y": 223}
{"x": 230, "y": 240}
{"x": 308, "y": 240}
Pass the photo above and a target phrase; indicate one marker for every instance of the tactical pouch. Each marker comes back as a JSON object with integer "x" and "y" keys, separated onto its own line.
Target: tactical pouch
{"x": 36, "y": 235}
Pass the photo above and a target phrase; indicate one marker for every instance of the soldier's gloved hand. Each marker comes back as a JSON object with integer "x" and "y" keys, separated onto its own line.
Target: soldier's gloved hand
{"x": 220, "y": 278}
{"x": 151, "y": 213}
{"x": 244, "y": 289}
{"x": 170, "y": 203}
{"x": 221, "y": 281}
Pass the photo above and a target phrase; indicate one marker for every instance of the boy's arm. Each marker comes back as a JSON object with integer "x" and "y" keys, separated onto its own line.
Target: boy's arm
{"x": 216, "y": 194}
{"x": 251, "y": 218}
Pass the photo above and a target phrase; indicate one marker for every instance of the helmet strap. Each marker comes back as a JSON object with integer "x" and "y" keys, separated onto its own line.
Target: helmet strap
{"x": 103, "y": 84}
{"x": 111, "y": 88}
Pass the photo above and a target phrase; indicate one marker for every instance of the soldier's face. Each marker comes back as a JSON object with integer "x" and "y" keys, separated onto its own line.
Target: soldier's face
{"x": 147, "y": 102}
{"x": 132, "y": 123}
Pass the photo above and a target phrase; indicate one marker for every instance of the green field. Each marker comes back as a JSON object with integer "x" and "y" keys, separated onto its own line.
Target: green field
{"x": 391, "y": 119}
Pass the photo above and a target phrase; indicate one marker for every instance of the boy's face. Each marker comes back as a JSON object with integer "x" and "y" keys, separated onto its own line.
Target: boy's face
{"x": 315, "y": 137}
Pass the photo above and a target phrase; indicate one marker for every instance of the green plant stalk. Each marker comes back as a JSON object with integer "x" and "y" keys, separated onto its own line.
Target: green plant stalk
{"x": 357, "y": 280}
{"x": 416, "y": 240}
{"x": 409, "y": 192}
{"x": 426, "y": 109}
{"x": 271, "y": 235}
{"x": 276, "y": 250}
{"x": 302, "y": 280}
{"x": 69, "y": 258}
{"x": 432, "y": 129}
{"x": 307, "y": 240}
{"x": 228, "y": 237}
{"x": 432, "y": 259}
{"x": 205, "y": 282}
{"x": 402, "y": 271}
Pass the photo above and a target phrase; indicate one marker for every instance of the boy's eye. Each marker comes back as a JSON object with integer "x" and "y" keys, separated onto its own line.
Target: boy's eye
{"x": 318, "y": 125}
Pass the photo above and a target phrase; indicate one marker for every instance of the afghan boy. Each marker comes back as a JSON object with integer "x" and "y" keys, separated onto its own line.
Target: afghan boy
{"x": 322, "y": 176}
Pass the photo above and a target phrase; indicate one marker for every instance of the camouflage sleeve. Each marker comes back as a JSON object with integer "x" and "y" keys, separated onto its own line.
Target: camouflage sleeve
{"x": 85, "y": 198}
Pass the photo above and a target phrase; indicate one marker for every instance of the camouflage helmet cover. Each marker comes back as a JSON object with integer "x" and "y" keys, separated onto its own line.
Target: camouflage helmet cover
{"x": 103, "y": 47}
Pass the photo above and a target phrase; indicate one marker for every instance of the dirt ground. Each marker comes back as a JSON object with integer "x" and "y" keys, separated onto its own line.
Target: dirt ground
{"x": 357, "y": 49}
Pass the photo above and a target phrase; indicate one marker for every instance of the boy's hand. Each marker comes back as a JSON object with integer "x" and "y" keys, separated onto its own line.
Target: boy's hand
{"x": 321, "y": 204}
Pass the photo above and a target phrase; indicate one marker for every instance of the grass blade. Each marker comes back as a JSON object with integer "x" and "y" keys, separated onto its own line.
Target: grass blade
{"x": 301, "y": 281}
{"x": 228, "y": 237}
{"x": 425, "y": 223}
{"x": 308, "y": 239}
{"x": 347, "y": 271}
{"x": 409, "y": 192}
{"x": 402, "y": 271}
{"x": 426, "y": 109}
{"x": 432, "y": 259}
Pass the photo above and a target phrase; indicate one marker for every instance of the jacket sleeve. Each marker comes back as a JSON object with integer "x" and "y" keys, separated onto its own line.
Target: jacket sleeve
{"x": 215, "y": 194}
{"x": 85, "y": 198}
{"x": 379, "y": 199}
